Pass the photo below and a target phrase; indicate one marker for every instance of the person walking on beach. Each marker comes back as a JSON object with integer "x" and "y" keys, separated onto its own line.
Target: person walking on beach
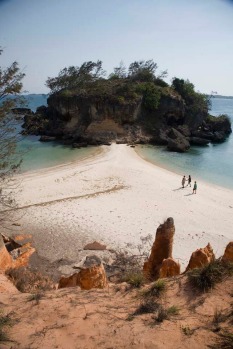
{"x": 195, "y": 188}
{"x": 183, "y": 181}
{"x": 189, "y": 181}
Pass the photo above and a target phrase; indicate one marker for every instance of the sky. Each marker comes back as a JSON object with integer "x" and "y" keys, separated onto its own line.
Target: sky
{"x": 192, "y": 39}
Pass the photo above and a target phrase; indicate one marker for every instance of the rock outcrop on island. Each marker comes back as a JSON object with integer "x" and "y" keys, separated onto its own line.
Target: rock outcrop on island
{"x": 139, "y": 108}
{"x": 201, "y": 257}
{"x": 160, "y": 262}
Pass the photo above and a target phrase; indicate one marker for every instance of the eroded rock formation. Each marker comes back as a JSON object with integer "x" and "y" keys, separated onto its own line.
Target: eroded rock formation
{"x": 161, "y": 250}
{"x": 6, "y": 260}
{"x": 169, "y": 268}
{"x": 91, "y": 276}
{"x": 201, "y": 257}
{"x": 228, "y": 254}
{"x": 93, "y": 118}
{"x": 95, "y": 246}
{"x": 13, "y": 254}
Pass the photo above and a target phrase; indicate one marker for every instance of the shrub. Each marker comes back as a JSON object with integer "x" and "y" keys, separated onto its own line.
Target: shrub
{"x": 218, "y": 317}
{"x": 225, "y": 341}
{"x": 173, "y": 310}
{"x": 166, "y": 313}
{"x": 206, "y": 277}
{"x": 25, "y": 280}
{"x": 156, "y": 289}
{"x": 147, "y": 307}
{"x": 35, "y": 297}
{"x": 5, "y": 321}
{"x": 134, "y": 278}
{"x": 187, "y": 331}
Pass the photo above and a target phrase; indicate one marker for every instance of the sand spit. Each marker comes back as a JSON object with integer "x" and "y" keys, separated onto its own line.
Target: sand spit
{"x": 115, "y": 198}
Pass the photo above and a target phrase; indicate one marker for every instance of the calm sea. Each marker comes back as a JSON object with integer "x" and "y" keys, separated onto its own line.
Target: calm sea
{"x": 37, "y": 155}
{"x": 213, "y": 163}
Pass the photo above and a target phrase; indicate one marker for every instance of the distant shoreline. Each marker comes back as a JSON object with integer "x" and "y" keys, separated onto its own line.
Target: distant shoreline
{"x": 220, "y": 96}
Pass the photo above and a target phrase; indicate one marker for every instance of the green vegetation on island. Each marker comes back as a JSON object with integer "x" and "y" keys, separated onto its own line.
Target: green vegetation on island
{"x": 131, "y": 105}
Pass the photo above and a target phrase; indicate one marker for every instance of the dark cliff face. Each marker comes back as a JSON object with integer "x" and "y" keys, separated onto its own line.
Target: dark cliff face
{"x": 97, "y": 119}
{"x": 84, "y": 115}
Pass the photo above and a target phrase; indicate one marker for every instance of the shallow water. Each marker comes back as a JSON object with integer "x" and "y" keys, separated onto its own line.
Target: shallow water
{"x": 37, "y": 155}
{"x": 213, "y": 163}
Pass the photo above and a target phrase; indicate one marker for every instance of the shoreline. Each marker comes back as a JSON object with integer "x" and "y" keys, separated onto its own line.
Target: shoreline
{"x": 163, "y": 165}
{"x": 116, "y": 197}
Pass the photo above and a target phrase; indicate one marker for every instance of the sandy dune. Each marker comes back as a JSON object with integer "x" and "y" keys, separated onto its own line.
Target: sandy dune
{"x": 116, "y": 197}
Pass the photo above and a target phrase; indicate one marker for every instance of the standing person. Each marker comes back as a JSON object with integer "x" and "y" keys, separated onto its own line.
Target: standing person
{"x": 189, "y": 181}
{"x": 183, "y": 181}
{"x": 195, "y": 188}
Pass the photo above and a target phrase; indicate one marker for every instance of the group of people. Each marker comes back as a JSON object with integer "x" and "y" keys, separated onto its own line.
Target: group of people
{"x": 189, "y": 180}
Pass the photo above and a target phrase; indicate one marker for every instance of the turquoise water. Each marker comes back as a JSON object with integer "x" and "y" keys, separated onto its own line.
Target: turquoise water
{"x": 213, "y": 163}
{"x": 37, "y": 155}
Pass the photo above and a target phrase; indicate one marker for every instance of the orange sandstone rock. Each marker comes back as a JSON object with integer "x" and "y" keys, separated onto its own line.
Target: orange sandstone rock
{"x": 6, "y": 260}
{"x": 95, "y": 246}
{"x": 93, "y": 277}
{"x": 201, "y": 257}
{"x": 169, "y": 268}
{"x": 161, "y": 249}
{"x": 228, "y": 254}
{"x": 17, "y": 257}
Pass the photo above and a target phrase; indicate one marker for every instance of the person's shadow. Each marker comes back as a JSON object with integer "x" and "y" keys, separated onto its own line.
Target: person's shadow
{"x": 188, "y": 194}
{"x": 177, "y": 189}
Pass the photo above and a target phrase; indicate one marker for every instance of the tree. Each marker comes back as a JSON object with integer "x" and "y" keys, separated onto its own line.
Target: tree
{"x": 119, "y": 72}
{"x": 74, "y": 77}
{"x": 143, "y": 71}
{"x": 10, "y": 89}
{"x": 196, "y": 102}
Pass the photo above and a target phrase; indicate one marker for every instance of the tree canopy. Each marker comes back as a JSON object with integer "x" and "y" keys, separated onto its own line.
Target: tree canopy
{"x": 10, "y": 86}
{"x": 73, "y": 77}
{"x": 141, "y": 78}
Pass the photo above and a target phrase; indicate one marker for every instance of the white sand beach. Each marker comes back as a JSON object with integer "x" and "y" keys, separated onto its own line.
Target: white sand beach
{"x": 116, "y": 197}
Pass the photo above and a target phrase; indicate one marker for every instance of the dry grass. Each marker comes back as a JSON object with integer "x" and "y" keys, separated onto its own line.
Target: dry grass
{"x": 157, "y": 289}
{"x": 224, "y": 341}
{"x": 26, "y": 280}
{"x": 5, "y": 321}
{"x": 207, "y": 277}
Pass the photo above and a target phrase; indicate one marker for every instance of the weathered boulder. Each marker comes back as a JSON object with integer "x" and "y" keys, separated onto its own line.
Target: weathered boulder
{"x": 47, "y": 139}
{"x": 161, "y": 250}
{"x": 201, "y": 257}
{"x": 179, "y": 145}
{"x": 95, "y": 246}
{"x": 22, "y": 111}
{"x": 93, "y": 276}
{"x": 198, "y": 141}
{"x": 219, "y": 123}
{"x": 169, "y": 268}
{"x": 80, "y": 145}
{"x": 177, "y": 141}
{"x": 12, "y": 254}
{"x": 228, "y": 254}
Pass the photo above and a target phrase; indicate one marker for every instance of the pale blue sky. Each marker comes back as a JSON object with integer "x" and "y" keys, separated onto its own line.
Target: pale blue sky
{"x": 192, "y": 39}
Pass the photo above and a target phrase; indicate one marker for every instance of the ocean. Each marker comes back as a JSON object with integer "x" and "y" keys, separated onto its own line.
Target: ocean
{"x": 213, "y": 163}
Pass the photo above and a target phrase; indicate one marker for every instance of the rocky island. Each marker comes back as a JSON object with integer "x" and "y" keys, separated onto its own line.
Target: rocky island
{"x": 135, "y": 106}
